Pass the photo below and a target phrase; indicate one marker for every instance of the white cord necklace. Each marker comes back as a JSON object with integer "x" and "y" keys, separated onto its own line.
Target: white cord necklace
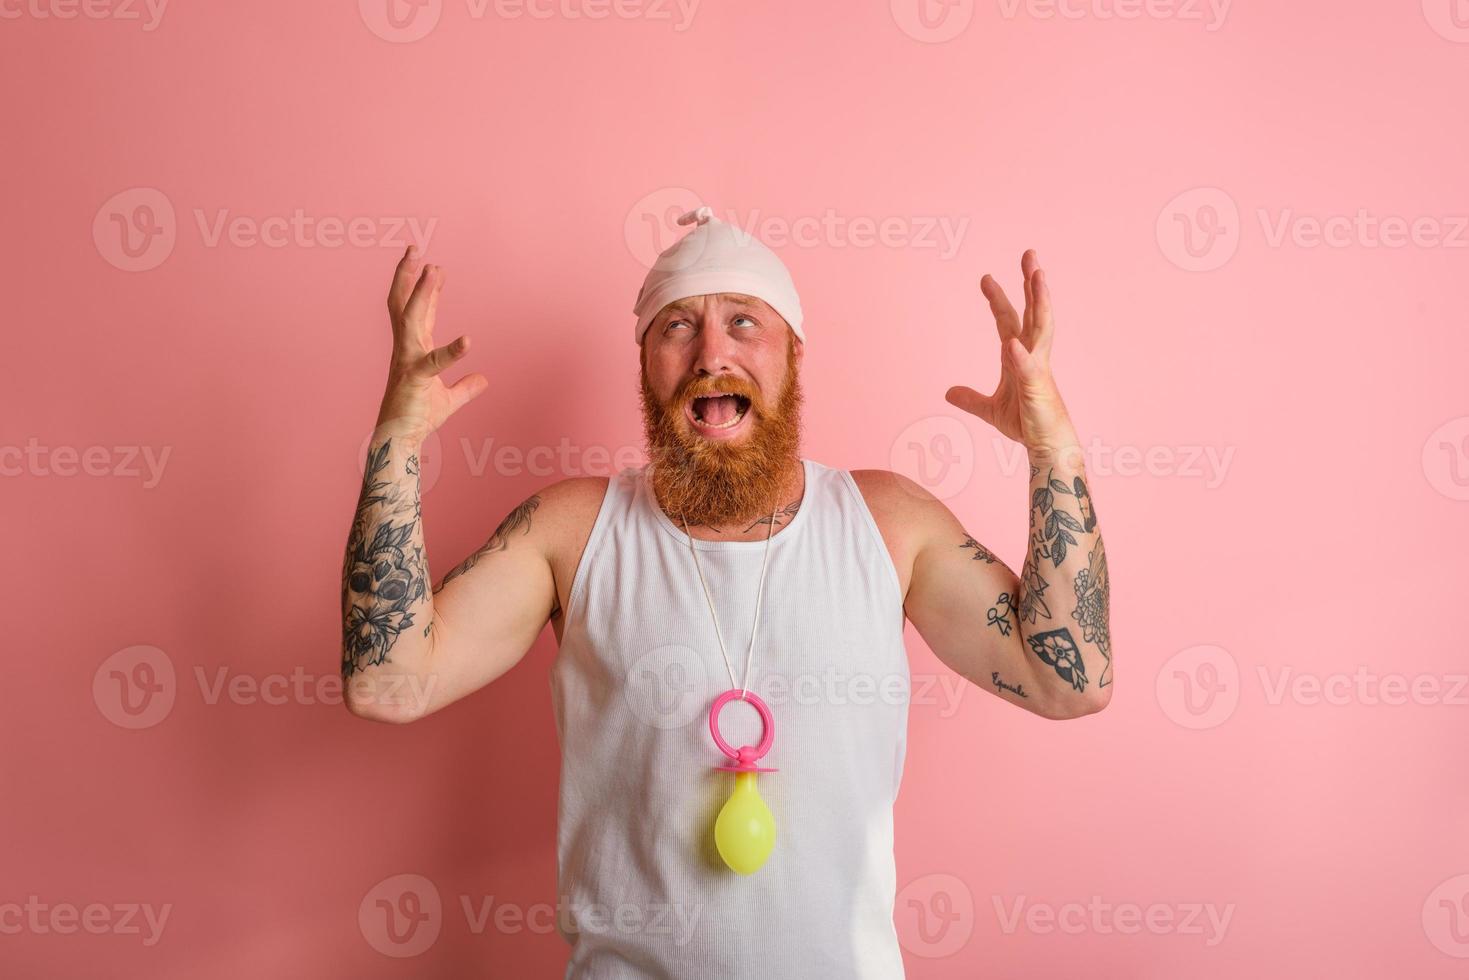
{"x": 759, "y": 591}
{"x": 744, "y": 831}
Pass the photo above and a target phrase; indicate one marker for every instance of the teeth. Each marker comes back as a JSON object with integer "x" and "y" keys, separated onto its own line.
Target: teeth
{"x": 723, "y": 425}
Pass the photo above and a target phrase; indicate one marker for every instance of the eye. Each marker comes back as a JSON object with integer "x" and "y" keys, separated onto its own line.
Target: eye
{"x": 746, "y": 319}
{"x": 675, "y": 323}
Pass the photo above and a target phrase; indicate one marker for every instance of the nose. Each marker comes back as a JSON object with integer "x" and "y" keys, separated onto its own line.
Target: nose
{"x": 713, "y": 348}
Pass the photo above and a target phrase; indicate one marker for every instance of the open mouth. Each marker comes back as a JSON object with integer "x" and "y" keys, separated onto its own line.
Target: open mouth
{"x": 718, "y": 412}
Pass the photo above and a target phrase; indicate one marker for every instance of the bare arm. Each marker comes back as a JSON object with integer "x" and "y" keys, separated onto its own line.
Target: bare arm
{"x": 405, "y": 650}
{"x": 1040, "y": 640}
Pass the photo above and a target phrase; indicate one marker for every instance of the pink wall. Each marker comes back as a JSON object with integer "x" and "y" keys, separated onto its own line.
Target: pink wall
{"x": 1279, "y": 418}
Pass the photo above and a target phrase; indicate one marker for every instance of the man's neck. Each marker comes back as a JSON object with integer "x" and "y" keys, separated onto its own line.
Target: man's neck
{"x": 756, "y": 527}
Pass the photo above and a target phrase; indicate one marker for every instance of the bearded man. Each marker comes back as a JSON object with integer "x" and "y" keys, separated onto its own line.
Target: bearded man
{"x": 727, "y": 557}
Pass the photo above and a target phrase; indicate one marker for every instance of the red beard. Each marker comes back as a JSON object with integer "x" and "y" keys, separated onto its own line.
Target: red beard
{"x": 717, "y": 483}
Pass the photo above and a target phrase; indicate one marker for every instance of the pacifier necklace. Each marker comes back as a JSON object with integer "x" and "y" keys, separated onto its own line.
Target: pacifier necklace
{"x": 744, "y": 832}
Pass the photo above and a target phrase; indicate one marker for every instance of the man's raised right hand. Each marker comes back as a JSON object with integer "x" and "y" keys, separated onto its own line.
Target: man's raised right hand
{"x": 417, "y": 401}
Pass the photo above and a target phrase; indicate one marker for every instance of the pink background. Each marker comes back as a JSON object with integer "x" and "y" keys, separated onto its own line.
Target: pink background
{"x": 1327, "y": 380}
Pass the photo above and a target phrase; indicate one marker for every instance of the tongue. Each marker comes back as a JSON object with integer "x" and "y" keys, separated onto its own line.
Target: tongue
{"x": 717, "y": 411}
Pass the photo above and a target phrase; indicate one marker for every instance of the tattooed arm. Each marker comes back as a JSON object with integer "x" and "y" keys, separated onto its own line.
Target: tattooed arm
{"x": 405, "y": 650}
{"x": 408, "y": 650}
{"x": 1040, "y": 639}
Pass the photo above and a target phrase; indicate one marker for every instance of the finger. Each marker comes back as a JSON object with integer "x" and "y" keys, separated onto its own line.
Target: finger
{"x": 466, "y": 390}
{"x": 1024, "y": 364}
{"x": 417, "y": 312}
{"x": 403, "y": 277}
{"x": 971, "y": 401}
{"x": 1007, "y": 324}
{"x": 1044, "y": 327}
{"x": 1028, "y": 264}
{"x": 442, "y": 357}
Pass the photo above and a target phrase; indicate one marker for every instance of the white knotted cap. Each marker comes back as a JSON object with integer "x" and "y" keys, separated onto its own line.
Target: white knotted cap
{"x": 717, "y": 258}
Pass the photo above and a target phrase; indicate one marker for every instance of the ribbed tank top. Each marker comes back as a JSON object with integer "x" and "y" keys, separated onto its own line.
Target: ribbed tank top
{"x": 642, "y": 890}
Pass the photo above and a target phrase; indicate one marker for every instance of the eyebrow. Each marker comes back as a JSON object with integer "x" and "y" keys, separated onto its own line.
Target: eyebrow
{"x": 738, "y": 299}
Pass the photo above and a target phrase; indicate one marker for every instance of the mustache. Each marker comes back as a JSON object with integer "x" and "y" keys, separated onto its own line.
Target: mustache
{"x": 700, "y": 387}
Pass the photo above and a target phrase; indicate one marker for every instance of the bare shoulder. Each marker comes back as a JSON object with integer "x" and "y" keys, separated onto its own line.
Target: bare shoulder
{"x": 906, "y": 514}
{"x": 567, "y": 509}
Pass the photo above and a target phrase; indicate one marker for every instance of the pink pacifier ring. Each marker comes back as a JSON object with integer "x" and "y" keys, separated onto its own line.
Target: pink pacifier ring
{"x": 747, "y": 755}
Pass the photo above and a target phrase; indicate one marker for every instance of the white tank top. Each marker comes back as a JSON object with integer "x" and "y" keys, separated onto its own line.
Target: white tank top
{"x": 642, "y": 890}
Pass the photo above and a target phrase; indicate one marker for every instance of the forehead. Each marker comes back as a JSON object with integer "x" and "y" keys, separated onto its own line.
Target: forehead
{"x": 694, "y": 305}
